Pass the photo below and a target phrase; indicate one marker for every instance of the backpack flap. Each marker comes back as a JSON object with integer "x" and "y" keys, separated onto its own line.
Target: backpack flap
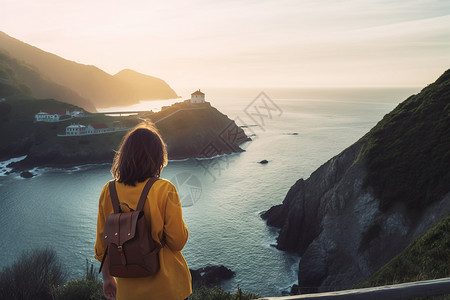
{"x": 121, "y": 227}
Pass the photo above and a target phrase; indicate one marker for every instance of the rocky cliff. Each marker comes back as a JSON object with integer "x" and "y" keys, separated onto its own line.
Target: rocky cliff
{"x": 344, "y": 220}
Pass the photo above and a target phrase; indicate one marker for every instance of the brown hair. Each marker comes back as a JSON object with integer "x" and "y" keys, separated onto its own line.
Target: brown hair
{"x": 142, "y": 154}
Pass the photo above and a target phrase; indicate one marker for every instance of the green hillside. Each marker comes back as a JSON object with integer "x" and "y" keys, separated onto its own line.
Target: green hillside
{"x": 18, "y": 77}
{"x": 428, "y": 257}
{"x": 408, "y": 152}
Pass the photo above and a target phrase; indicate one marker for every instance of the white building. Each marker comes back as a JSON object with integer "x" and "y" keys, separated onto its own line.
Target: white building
{"x": 77, "y": 114}
{"x": 75, "y": 129}
{"x": 197, "y": 97}
{"x": 50, "y": 115}
{"x": 78, "y": 129}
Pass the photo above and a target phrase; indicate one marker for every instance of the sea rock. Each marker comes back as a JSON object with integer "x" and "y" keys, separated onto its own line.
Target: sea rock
{"x": 295, "y": 290}
{"x": 210, "y": 276}
{"x": 264, "y": 161}
{"x": 26, "y": 174}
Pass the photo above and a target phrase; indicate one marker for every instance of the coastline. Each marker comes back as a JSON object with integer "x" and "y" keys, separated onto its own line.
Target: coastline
{"x": 13, "y": 164}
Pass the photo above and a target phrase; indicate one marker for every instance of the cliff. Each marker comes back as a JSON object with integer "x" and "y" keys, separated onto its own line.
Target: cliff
{"x": 364, "y": 206}
{"x": 84, "y": 81}
{"x": 197, "y": 130}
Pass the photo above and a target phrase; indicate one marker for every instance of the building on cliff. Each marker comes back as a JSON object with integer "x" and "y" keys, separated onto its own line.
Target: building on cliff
{"x": 78, "y": 129}
{"x": 57, "y": 115}
{"x": 75, "y": 129}
{"x": 197, "y": 97}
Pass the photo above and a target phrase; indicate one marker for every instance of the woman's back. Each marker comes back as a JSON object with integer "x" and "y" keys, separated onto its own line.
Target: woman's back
{"x": 173, "y": 280}
{"x": 143, "y": 155}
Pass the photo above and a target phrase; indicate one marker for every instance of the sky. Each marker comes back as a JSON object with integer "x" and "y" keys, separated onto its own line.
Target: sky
{"x": 244, "y": 43}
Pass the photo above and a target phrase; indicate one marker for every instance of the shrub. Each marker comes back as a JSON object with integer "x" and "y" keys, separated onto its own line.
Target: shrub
{"x": 88, "y": 288}
{"x": 84, "y": 289}
{"x": 36, "y": 274}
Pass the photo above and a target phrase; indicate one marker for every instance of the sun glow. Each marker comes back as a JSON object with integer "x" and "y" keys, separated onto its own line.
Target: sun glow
{"x": 244, "y": 43}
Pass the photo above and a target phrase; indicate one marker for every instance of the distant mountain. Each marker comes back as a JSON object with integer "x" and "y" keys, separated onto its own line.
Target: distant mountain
{"x": 144, "y": 85}
{"x": 89, "y": 82}
{"x": 364, "y": 206}
{"x": 17, "y": 77}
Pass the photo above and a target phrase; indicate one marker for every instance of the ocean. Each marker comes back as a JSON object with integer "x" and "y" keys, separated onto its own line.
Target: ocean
{"x": 295, "y": 130}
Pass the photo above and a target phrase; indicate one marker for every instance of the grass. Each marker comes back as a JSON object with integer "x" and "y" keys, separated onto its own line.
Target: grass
{"x": 408, "y": 151}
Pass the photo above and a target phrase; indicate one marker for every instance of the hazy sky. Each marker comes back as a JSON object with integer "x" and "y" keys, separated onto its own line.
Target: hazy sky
{"x": 294, "y": 43}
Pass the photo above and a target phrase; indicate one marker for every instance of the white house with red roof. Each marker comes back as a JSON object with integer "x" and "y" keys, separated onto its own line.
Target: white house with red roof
{"x": 197, "y": 97}
{"x": 97, "y": 128}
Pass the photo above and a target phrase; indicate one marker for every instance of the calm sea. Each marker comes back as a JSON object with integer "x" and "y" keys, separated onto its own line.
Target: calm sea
{"x": 296, "y": 130}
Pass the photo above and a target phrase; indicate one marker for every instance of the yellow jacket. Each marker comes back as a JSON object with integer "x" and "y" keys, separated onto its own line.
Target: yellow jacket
{"x": 173, "y": 280}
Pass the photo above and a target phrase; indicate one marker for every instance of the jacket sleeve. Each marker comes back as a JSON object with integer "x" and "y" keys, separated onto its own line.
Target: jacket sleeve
{"x": 100, "y": 245}
{"x": 175, "y": 230}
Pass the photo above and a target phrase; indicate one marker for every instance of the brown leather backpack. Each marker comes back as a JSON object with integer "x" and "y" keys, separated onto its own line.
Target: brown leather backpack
{"x": 131, "y": 248}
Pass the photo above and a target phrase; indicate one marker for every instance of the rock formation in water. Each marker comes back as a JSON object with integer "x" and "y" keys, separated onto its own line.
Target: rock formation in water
{"x": 364, "y": 206}
{"x": 210, "y": 276}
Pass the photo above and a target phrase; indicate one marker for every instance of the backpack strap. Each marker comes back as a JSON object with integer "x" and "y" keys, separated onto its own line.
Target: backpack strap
{"x": 145, "y": 191}
{"x": 114, "y": 197}
{"x": 103, "y": 260}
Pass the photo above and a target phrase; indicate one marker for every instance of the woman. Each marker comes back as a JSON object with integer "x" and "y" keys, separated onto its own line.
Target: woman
{"x": 142, "y": 154}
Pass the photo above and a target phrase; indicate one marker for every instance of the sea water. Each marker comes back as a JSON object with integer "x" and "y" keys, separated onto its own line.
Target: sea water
{"x": 295, "y": 130}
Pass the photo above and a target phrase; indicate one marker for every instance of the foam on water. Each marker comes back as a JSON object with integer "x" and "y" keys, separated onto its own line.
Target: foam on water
{"x": 4, "y": 170}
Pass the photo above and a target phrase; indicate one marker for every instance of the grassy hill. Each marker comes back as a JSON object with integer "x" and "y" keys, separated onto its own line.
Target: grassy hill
{"x": 18, "y": 77}
{"x": 408, "y": 160}
{"x": 408, "y": 151}
{"x": 89, "y": 82}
